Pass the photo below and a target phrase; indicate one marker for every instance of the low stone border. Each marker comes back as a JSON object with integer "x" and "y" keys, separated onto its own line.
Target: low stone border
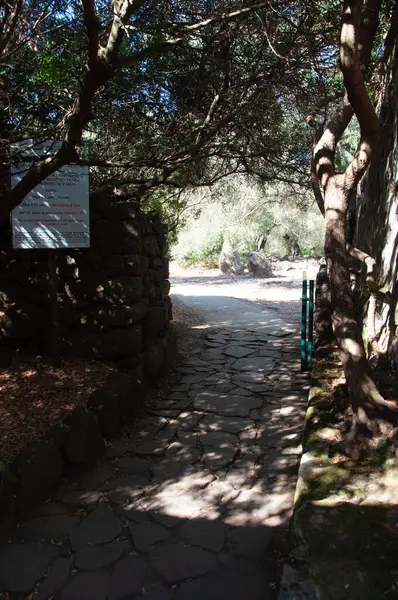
{"x": 344, "y": 534}
{"x": 79, "y": 439}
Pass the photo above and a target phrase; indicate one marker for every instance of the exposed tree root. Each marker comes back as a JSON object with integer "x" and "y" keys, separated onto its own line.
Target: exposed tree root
{"x": 366, "y": 421}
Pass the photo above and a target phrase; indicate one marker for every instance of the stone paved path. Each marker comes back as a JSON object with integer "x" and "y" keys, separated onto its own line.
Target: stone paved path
{"x": 192, "y": 507}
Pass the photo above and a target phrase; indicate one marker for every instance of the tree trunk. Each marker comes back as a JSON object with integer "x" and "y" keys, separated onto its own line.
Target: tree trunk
{"x": 364, "y": 398}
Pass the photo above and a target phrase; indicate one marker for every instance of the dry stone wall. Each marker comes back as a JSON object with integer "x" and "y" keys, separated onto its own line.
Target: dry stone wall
{"x": 113, "y": 298}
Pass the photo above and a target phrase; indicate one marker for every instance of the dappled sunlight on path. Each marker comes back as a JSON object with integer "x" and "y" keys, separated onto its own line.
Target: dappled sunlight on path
{"x": 194, "y": 501}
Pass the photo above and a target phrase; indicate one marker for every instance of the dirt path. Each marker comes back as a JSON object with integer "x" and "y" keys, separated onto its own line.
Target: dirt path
{"x": 281, "y": 293}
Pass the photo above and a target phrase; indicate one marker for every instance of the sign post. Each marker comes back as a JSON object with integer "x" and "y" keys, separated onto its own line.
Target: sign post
{"x": 54, "y": 215}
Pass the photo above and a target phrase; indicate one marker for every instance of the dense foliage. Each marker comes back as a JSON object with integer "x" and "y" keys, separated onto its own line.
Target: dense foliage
{"x": 278, "y": 219}
{"x": 190, "y": 92}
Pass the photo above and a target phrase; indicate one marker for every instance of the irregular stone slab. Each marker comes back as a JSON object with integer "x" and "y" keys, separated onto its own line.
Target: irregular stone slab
{"x": 213, "y": 356}
{"x": 171, "y": 468}
{"x": 253, "y": 507}
{"x": 97, "y": 557}
{"x": 217, "y": 458}
{"x": 126, "y": 482}
{"x": 180, "y": 499}
{"x": 55, "y": 579}
{"x": 281, "y": 437}
{"x": 210, "y": 535}
{"x": 254, "y": 364}
{"x": 238, "y": 351}
{"x": 130, "y": 464}
{"x": 166, "y": 520}
{"x": 22, "y": 565}
{"x": 220, "y": 439}
{"x": 87, "y": 586}
{"x": 152, "y": 447}
{"x": 157, "y": 592}
{"x": 128, "y": 577}
{"x": 188, "y": 438}
{"x": 167, "y": 434}
{"x": 182, "y": 387}
{"x": 49, "y": 509}
{"x": 219, "y": 423}
{"x": 176, "y": 396}
{"x": 118, "y": 448}
{"x": 239, "y": 391}
{"x": 252, "y": 377}
{"x": 123, "y": 497}
{"x": 176, "y": 562}
{"x": 225, "y": 404}
{"x": 55, "y": 528}
{"x": 220, "y": 492}
{"x": 269, "y": 352}
{"x": 100, "y": 527}
{"x": 79, "y": 498}
{"x": 248, "y": 436}
{"x": 147, "y": 427}
{"x": 248, "y": 582}
{"x": 197, "y": 362}
{"x": 188, "y": 420}
{"x": 96, "y": 477}
{"x": 250, "y": 542}
{"x": 183, "y": 404}
{"x": 146, "y": 535}
{"x": 165, "y": 412}
{"x": 217, "y": 378}
{"x": 189, "y": 379}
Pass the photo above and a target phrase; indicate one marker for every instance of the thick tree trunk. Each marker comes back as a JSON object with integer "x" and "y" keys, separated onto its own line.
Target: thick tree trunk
{"x": 359, "y": 24}
{"x": 364, "y": 398}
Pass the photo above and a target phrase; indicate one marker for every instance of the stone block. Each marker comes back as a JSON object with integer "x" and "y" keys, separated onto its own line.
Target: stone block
{"x": 150, "y": 246}
{"x": 22, "y": 321}
{"x": 104, "y": 403}
{"x": 100, "y": 202}
{"x": 38, "y": 469}
{"x": 165, "y": 289}
{"x": 154, "y": 359}
{"x": 115, "y": 344}
{"x": 129, "y": 391}
{"x": 122, "y": 290}
{"x": 116, "y": 237}
{"x": 155, "y": 322}
{"x": 118, "y": 315}
{"x": 84, "y": 443}
{"x": 120, "y": 211}
{"x": 169, "y": 308}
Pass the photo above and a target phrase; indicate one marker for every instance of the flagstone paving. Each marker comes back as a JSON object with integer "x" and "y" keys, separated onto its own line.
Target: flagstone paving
{"x": 194, "y": 504}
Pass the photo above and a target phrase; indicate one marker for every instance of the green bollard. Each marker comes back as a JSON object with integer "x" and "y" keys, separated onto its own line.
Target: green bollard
{"x": 303, "y": 344}
{"x": 310, "y": 326}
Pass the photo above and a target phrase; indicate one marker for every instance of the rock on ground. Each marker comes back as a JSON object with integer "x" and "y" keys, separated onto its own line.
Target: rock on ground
{"x": 258, "y": 265}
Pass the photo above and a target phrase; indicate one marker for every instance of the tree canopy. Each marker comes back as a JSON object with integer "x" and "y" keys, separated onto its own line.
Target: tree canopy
{"x": 173, "y": 93}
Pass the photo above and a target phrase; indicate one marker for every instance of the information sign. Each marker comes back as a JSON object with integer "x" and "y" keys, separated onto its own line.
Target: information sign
{"x": 55, "y": 214}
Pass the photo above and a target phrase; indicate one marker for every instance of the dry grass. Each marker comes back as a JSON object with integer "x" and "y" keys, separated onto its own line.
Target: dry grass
{"x": 34, "y": 395}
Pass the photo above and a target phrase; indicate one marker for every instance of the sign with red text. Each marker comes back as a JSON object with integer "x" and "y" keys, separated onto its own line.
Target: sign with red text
{"x": 55, "y": 214}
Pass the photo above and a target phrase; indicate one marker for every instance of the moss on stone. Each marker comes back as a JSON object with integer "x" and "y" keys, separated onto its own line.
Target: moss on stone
{"x": 350, "y": 550}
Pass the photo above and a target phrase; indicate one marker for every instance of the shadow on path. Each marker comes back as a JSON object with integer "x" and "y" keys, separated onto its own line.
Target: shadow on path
{"x": 194, "y": 502}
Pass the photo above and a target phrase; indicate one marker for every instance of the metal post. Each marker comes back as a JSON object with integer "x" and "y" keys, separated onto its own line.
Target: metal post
{"x": 303, "y": 344}
{"x": 310, "y": 325}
